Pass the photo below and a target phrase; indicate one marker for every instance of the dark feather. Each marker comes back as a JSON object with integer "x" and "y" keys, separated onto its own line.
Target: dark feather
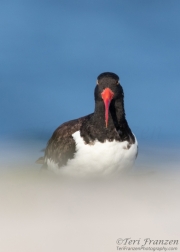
{"x": 40, "y": 160}
{"x": 61, "y": 145}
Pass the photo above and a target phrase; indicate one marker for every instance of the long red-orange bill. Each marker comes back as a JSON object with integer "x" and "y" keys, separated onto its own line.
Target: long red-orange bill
{"x": 107, "y": 95}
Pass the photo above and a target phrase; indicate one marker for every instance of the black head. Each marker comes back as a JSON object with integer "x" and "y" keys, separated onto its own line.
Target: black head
{"x": 108, "y": 91}
{"x": 108, "y": 121}
{"x": 108, "y": 75}
{"x": 111, "y": 81}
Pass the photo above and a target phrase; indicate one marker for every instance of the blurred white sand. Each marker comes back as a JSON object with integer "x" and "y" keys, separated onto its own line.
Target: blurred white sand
{"x": 42, "y": 212}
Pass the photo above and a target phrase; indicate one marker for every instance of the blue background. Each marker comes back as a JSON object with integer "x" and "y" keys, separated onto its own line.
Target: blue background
{"x": 51, "y": 53}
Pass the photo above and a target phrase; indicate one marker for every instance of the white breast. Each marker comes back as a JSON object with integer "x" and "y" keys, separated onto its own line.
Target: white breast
{"x": 98, "y": 158}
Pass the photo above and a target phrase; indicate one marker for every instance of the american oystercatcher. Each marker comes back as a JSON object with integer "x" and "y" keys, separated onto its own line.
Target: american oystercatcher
{"x": 99, "y": 143}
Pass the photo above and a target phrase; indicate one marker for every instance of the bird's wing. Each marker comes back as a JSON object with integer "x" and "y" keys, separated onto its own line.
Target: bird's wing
{"x": 61, "y": 145}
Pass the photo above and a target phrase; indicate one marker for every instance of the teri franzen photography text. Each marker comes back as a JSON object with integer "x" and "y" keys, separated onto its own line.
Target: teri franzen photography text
{"x": 145, "y": 242}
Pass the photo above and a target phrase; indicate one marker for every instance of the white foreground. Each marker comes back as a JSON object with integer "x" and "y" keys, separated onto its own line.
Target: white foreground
{"x": 44, "y": 212}
{"x": 40, "y": 211}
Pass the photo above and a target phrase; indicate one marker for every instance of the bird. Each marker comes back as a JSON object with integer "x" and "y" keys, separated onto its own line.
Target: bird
{"x": 100, "y": 143}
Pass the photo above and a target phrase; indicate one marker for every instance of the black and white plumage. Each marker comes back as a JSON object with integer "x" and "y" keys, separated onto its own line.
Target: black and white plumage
{"x": 99, "y": 143}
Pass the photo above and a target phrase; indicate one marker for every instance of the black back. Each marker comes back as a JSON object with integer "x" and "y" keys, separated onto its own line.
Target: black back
{"x": 61, "y": 145}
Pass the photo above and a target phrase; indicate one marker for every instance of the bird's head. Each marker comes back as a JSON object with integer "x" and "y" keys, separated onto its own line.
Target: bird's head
{"x": 108, "y": 89}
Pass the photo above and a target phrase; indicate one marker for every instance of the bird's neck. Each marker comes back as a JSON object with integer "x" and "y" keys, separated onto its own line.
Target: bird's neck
{"x": 117, "y": 128}
{"x": 116, "y": 114}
